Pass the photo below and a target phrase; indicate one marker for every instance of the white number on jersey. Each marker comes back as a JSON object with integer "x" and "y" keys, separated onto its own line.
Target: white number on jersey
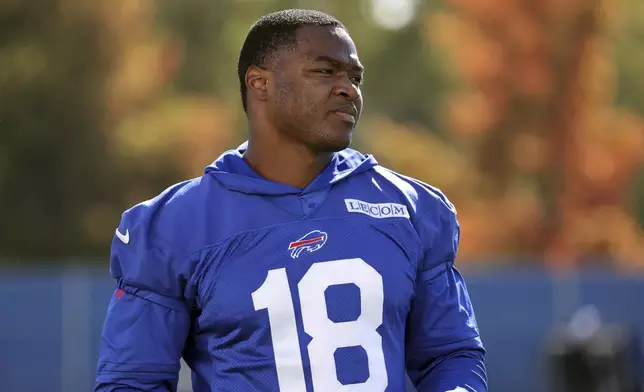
{"x": 327, "y": 336}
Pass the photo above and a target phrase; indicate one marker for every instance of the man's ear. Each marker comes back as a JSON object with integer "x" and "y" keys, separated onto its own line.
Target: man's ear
{"x": 257, "y": 83}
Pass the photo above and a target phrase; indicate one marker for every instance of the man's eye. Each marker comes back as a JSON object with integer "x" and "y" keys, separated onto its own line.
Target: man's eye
{"x": 357, "y": 80}
{"x": 325, "y": 71}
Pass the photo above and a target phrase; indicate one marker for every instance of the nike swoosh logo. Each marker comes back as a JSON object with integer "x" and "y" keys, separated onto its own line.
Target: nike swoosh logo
{"x": 125, "y": 238}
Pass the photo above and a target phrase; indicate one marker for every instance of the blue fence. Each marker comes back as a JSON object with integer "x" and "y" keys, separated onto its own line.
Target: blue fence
{"x": 51, "y": 321}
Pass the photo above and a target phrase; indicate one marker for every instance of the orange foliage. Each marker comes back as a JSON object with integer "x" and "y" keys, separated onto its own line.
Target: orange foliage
{"x": 545, "y": 155}
{"x": 153, "y": 128}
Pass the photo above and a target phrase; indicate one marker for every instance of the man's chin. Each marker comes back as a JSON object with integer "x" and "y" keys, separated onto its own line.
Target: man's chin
{"x": 333, "y": 144}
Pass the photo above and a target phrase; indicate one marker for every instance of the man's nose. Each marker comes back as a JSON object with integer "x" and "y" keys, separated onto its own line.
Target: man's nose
{"x": 347, "y": 89}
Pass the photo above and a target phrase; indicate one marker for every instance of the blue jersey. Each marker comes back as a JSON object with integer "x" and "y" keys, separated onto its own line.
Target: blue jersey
{"x": 346, "y": 285}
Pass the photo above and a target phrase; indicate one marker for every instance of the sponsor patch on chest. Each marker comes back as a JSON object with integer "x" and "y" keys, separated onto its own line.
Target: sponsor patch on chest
{"x": 377, "y": 210}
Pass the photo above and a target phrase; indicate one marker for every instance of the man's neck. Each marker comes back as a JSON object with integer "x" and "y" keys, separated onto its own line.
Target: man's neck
{"x": 285, "y": 162}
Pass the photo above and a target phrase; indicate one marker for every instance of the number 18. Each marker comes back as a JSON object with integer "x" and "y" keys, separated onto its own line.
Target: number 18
{"x": 327, "y": 336}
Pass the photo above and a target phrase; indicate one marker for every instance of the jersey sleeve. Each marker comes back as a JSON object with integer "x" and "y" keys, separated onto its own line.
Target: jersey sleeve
{"x": 444, "y": 349}
{"x": 148, "y": 317}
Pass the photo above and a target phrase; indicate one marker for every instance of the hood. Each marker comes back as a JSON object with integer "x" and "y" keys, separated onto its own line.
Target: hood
{"x": 234, "y": 173}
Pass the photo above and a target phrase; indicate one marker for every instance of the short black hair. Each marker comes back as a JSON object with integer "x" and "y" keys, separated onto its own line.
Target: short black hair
{"x": 273, "y": 32}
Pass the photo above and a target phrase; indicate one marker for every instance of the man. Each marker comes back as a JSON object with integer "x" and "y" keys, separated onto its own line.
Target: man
{"x": 294, "y": 263}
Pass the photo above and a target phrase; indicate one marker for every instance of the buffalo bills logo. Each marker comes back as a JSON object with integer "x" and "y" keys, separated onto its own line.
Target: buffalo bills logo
{"x": 310, "y": 242}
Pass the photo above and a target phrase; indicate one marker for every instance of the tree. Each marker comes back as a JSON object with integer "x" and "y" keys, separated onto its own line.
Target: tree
{"x": 543, "y": 154}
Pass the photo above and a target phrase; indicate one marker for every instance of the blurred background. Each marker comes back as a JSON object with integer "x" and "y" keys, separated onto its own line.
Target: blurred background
{"x": 528, "y": 114}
